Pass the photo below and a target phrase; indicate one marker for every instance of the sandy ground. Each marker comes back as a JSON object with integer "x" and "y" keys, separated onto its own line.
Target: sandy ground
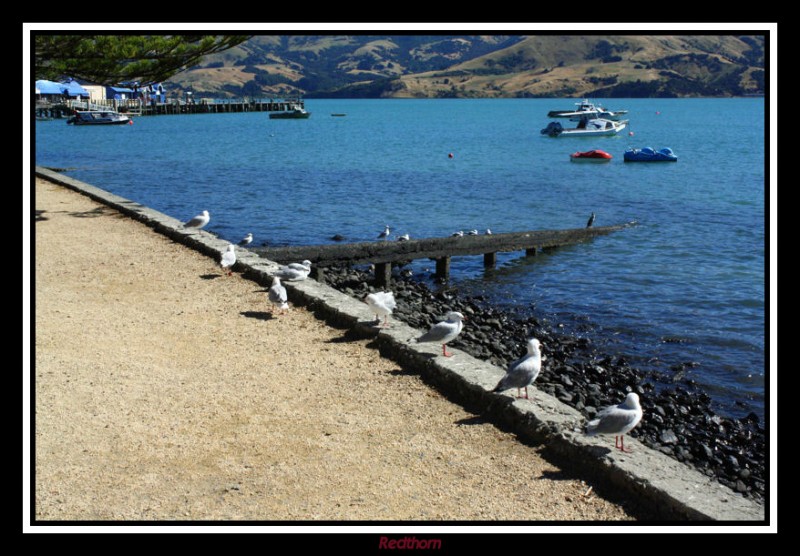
{"x": 165, "y": 390}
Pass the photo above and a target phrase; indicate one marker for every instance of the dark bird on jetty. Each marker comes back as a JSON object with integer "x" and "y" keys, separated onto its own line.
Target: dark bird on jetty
{"x": 522, "y": 372}
{"x": 385, "y": 233}
{"x": 591, "y": 221}
{"x": 247, "y": 240}
{"x": 617, "y": 420}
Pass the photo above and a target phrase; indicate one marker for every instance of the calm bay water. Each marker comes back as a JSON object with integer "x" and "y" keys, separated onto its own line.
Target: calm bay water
{"x": 685, "y": 285}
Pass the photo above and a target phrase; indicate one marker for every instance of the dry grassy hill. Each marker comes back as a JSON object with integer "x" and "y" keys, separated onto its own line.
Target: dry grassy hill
{"x": 483, "y": 66}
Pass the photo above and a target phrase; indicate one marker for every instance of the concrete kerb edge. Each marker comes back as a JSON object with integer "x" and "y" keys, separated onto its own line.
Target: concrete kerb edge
{"x": 673, "y": 489}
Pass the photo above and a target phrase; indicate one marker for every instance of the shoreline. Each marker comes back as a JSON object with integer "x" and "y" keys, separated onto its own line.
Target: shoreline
{"x": 648, "y": 473}
{"x": 679, "y": 420}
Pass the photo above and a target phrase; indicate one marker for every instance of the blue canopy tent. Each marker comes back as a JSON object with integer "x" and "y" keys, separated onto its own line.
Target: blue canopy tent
{"x": 73, "y": 89}
{"x": 119, "y": 93}
{"x": 45, "y": 87}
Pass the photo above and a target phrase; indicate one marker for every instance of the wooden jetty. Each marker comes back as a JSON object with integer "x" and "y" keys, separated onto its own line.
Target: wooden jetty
{"x": 383, "y": 253}
{"x": 135, "y": 107}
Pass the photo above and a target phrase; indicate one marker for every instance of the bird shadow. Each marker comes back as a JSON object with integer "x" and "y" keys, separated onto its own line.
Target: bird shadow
{"x": 40, "y": 216}
{"x": 403, "y": 372}
{"x": 210, "y": 276}
{"x": 557, "y": 475}
{"x": 350, "y": 335}
{"x": 474, "y": 420}
{"x": 259, "y": 315}
{"x": 94, "y": 213}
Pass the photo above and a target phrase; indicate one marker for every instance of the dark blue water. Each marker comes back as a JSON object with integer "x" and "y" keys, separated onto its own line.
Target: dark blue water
{"x": 686, "y": 285}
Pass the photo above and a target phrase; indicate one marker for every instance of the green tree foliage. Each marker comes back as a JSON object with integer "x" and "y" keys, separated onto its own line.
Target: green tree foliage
{"x": 113, "y": 59}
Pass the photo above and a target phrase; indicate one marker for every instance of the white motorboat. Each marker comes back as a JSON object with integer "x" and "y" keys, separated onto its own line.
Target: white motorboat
{"x": 98, "y": 117}
{"x": 586, "y": 128}
{"x": 587, "y": 109}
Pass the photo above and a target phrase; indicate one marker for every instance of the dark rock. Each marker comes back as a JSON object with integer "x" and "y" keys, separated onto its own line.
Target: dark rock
{"x": 668, "y": 437}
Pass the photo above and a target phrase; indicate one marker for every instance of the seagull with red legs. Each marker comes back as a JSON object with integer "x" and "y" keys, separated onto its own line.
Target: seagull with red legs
{"x": 617, "y": 420}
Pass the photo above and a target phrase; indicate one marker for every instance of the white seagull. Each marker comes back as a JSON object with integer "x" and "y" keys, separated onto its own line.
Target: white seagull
{"x": 617, "y": 420}
{"x": 445, "y": 331}
{"x": 305, "y": 265}
{"x": 247, "y": 240}
{"x": 277, "y": 295}
{"x": 488, "y": 232}
{"x": 228, "y": 258}
{"x": 522, "y": 372}
{"x": 198, "y": 221}
{"x": 404, "y": 237}
{"x": 472, "y": 232}
{"x": 457, "y": 234}
{"x": 294, "y": 272}
{"x": 381, "y": 303}
{"x": 385, "y": 233}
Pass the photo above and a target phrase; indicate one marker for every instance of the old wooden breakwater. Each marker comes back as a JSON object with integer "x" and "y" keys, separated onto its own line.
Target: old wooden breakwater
{"x": 384, "y": 253}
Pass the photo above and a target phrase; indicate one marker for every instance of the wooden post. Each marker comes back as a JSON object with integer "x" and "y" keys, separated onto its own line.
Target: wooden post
{"x": 489, "y": 260}
{"x": 532, "y": 252}
{"x": 443, "y": 268}
{"x": 383, "y": 274}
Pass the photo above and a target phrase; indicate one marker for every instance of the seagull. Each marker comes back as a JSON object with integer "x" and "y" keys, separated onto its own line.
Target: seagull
{"x": 591, "y": 221}
{"x": 404, "y": 237}
{"x": 445, "y": 331}
{"x": 522, "y": 372}
{"x": 198, "y": 221}
{"x": 381, "y": 303}
{"x": 472, "y": 232}
{"x": 305, "y": 265}
{"x": 457, "y": 234}
{"x": 247, "y": 240}
{"x": 294, "y": 273}
{"x": 277, "y": 294}
{"x": 228, "y": 258}
{"x": 617, "y": 420}
{"x": 385, "y": 233}
{"x": 488, "y": 232}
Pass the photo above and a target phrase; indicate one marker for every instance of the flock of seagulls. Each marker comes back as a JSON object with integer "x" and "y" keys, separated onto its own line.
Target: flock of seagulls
{"x": 520, "y": 374}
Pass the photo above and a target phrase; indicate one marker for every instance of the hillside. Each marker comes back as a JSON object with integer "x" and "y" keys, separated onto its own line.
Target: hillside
{"x": 468, "y": 66}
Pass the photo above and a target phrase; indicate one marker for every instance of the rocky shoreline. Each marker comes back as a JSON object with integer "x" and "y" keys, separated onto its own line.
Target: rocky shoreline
{"x": 678, "y": 420}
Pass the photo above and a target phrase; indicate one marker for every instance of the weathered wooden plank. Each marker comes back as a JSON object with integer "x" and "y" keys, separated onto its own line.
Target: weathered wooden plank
{"x": 432, "y": 248}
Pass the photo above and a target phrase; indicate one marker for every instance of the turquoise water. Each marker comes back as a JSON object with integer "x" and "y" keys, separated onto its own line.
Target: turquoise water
{"x": 685, "y": 285}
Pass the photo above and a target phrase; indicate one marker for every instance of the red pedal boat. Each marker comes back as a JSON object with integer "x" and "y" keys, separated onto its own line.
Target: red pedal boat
{"x": 595, "y": 155}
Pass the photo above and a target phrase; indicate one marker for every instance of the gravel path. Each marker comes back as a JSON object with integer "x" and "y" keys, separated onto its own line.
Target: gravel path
{"x": 165, "y": 390}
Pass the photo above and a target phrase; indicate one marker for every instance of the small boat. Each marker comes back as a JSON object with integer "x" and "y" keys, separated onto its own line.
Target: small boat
{"x": 649, "y": 154}
{"x": 295, "y": 112}
{"x": 595, "y": 155}
{"x": 586, "y": 128}
{"x": 586, "y": 108}
{"x": 98, "y": 117}
{"x": 339, "y": 115}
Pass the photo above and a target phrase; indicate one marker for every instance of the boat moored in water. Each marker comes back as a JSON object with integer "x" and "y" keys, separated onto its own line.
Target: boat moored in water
{"x": 295, "y": 112}
{"x": 585, "y": 128}
{"x": 595, "y": 155}
{"x": 649, "y": 154}
{"x": 98, "y": 117}
{"x": 588, "y": 109}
